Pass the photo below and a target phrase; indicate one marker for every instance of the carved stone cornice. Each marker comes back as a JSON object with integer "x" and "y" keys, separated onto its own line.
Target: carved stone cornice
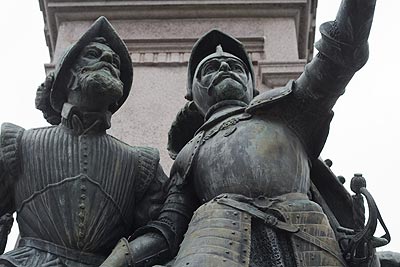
{"x": 55, "y": 12}
{"x": 274, "y": 74}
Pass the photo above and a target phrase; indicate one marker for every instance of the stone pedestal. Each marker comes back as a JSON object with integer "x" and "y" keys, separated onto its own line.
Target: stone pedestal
{"x": 278, "y": 34}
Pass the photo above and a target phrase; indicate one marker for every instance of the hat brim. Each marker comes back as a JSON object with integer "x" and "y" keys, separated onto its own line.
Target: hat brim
{"x": 100, "y": 28}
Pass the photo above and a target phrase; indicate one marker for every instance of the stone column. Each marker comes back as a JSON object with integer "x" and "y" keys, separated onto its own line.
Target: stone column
{"x": 278, "y": 34}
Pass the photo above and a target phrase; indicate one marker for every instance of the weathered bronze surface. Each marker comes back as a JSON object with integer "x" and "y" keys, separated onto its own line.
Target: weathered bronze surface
{"x": 247, "y": 165}
{"x": 246, "y": 188}
{"x": 77, "y": 190}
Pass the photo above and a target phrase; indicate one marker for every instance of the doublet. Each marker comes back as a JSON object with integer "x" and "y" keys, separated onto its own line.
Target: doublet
{"x": 78, "y": 193}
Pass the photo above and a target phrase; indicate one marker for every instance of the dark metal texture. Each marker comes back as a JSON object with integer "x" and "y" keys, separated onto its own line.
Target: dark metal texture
{"x": 77, "y": 190}
{"x": 269, "y": 146}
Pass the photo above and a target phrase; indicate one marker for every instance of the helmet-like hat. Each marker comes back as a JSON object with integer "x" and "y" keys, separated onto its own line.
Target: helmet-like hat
{"x": 205, "y": 48}
{"x": 100, "y": 28}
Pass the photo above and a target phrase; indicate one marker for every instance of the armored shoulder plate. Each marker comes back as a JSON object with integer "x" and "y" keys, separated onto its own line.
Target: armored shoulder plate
{"x": 266, "y": 98}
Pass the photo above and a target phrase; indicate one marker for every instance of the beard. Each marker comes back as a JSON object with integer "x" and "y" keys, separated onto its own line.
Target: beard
{"x": 100, "y": 80}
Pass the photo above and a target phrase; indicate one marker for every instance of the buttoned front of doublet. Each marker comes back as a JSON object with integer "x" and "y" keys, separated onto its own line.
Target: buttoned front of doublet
{"x": 246, "y": 154}
{"x": 72, "y": 180}
{"x": 83, "y": 199}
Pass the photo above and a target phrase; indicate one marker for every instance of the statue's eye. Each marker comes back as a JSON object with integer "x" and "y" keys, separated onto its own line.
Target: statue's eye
{"x": 237, "y": 68}
{"x": 92, "y": 53}
{"x": 209, "y": 68}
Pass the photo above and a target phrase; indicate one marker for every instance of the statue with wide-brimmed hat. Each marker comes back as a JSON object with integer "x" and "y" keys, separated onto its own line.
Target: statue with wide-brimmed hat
{"x": 77, "y": 191}
{"x": 75, "y": 70}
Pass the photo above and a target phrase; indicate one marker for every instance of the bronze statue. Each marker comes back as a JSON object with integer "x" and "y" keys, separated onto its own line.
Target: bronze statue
{"x": 77, "y": 190}
{"x": 246, "y": 172}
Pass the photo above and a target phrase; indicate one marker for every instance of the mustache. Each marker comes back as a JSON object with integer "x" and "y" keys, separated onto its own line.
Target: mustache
{"x": 223, "y": 75}
{"x": 100, "y": 65}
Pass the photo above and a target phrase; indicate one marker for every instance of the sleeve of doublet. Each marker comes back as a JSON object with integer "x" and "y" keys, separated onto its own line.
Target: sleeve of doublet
{"x": 10, "y": 139}
{"x": 151, "y": 189}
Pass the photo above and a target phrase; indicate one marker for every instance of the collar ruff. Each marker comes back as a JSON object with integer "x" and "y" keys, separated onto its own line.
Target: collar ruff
{"x": 83, "y": 123}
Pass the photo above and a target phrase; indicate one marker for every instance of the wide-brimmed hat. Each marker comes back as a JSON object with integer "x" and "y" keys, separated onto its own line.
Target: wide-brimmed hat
{"x": 100, "y": 28}
{"x": 206, "y": 46}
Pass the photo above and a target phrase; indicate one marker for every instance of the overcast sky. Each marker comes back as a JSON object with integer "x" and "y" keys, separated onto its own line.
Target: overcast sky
{"x": 364, "y": 135}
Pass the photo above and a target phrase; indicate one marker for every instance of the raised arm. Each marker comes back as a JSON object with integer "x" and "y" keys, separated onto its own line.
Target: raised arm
{"x": 306, "y": 104}
{"x": 343, "y": 50}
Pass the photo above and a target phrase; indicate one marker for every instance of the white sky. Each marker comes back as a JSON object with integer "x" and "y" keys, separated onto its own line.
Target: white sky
{"x": 365, "y": 132}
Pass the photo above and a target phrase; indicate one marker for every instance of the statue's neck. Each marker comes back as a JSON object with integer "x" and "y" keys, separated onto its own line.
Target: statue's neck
{"x": 84, "y": 122}
{"x": 221, "y": 111}
{"x": 223, "y": 107}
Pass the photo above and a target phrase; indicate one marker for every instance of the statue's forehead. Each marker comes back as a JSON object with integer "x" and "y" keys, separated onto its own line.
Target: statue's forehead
{"x": 100, "y": 46}
{"x": 222, "y": 59}
{"x": 219, "y": 58}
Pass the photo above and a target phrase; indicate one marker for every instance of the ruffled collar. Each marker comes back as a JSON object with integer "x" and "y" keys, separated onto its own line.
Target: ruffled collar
{"x": 82, "y": 123}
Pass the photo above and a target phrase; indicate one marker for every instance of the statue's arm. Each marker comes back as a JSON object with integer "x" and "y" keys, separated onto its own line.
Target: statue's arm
{"x": 6, "y": 204}
{"x": 157, "y": 241}
{"x": 150, "y": 205}
{"x": 10, "y": 140}
{"x": 343, "y": 50}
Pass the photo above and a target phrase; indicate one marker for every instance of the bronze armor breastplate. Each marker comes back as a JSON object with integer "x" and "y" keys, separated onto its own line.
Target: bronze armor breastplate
{"x": 251, "y": 156}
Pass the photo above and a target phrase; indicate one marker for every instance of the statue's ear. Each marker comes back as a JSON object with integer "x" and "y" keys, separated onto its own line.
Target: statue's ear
{"x": 42, "y": 101}
{"x": 187, "y": 122}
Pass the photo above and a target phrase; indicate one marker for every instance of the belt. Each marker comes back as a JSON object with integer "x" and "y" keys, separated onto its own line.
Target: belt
{"x": 268, "y": 219}
{"x": 71, "y": 254}
{"x": 257, "y": 207}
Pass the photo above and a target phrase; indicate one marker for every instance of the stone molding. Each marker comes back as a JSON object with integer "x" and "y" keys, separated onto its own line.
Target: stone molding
{"x": 278, "y": 34}
{"x": 177, "y": 51}
{"x": 55, "y": 12}
{"x": 150, "y": 52}
{"x": 274, "y": 74}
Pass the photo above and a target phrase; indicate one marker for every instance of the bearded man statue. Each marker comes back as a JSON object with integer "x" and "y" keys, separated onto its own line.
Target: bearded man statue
{"x": 76, "y": 190}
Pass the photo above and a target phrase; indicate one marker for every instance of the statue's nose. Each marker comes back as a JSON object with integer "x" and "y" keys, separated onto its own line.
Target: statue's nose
{"x": 224, "y": 67}
{"x": 107, "y": 57}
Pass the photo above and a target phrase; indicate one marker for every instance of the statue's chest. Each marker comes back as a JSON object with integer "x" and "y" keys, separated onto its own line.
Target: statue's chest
{"x": 248, "y": 155}
{"x": 245, "y": 141}
{"x": 49, "y": 158}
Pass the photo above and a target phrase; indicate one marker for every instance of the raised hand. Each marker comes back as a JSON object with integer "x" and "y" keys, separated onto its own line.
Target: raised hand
{"x": 344, "y": 41}
{"x": 354, "y": 20}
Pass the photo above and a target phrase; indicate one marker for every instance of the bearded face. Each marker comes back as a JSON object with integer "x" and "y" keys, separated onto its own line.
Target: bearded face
{"x": 101, "y": 79}
{"x": 96, "y": 80}
{"x": 220, "y": 79}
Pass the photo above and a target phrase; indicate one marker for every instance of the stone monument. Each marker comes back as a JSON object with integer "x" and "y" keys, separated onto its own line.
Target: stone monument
{"x": 278, "y": 35}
